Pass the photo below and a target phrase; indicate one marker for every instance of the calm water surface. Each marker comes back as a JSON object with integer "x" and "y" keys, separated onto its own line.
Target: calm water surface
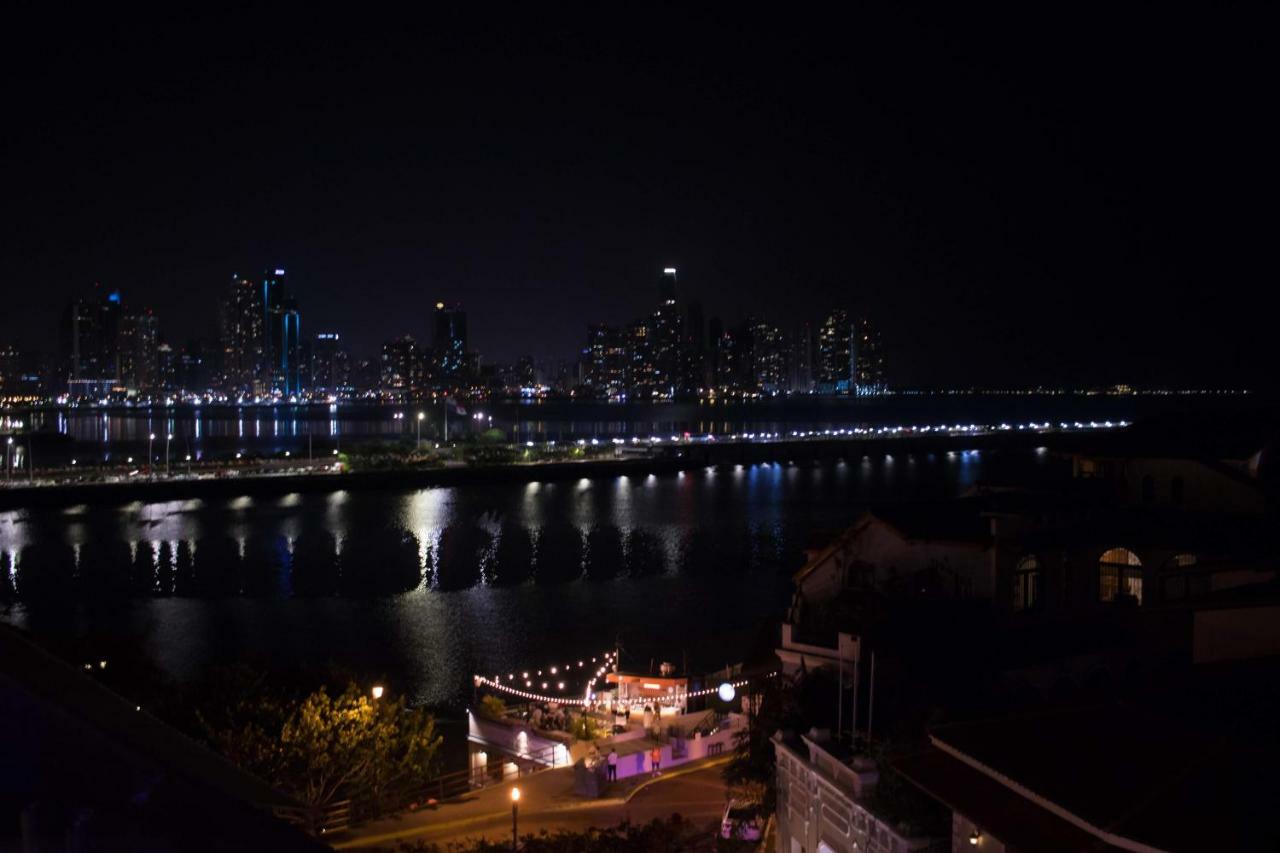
{"x": 427, "y": 587}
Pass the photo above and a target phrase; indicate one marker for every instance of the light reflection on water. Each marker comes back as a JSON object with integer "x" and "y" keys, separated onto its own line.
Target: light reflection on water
{"x": 427, "y": 586}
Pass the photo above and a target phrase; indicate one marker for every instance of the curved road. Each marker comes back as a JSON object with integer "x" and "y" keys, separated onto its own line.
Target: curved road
{"x": 695, "y": 793}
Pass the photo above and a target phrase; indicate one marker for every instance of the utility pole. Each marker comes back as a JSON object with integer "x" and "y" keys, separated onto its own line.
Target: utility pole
{"x": 871, "y": 697}
{"x": 515, "y": 809}
{"x": 839, "y": 688}
{"x": 857, "y": 672}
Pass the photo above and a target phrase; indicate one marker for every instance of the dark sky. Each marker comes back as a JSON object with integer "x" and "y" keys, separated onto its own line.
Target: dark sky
{"x": 1066, "y": 197}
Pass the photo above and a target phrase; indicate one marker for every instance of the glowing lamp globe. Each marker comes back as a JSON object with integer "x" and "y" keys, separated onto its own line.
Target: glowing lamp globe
{"x": 726, "y": 692}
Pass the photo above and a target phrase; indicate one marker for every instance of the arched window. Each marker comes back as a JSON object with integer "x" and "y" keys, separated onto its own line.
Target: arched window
{"x": 1148, "y": 489}
{"x": 1119, "y": 573}
{"x": 1026, "y": 583}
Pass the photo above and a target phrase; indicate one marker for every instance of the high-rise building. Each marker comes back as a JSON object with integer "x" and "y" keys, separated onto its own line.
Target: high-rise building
{"x": 261, "y": 337}
{"x": 244, "y": 361}
{"x": 193, "y": 367}
{"x": 91, "y": 344}
{"x": 732, "y": 361}
{"x": 167, "y": 367}
{"x": 607, "y": 358}
{"x": 22, "y": 376}
{"x": 696, "y": 358}
{"x": 768, "y": 358}
{"x": 139, "y": 339}
{"x": 835, "y": 353}
{"x": 666, "y": 341}
{"x": 801, "y": 361}
{"x": 272, "y": 294}
{"x": 450, "y": 341}
{"x": 642, "y": 376}
{"x": 366, "y": 375}
{"x": 330, "y": 364}
{"x": 870, "y": 375}
{"x": 667, "y": 286}
{"x": 401, "y": 366}
{"x": 288, "y": 376}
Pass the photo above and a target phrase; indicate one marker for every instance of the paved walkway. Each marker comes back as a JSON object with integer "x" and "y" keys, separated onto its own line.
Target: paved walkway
{"x": 547, "y": 802}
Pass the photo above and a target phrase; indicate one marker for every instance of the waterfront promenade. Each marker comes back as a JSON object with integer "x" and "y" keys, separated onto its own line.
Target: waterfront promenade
{"x": 61, "y": 487}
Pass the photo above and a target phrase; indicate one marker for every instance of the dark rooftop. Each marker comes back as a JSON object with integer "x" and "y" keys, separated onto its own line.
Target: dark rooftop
{"x": 122, "y": 778}
{"x": 957, "y": 520}
{"x": 1138, "y": 775}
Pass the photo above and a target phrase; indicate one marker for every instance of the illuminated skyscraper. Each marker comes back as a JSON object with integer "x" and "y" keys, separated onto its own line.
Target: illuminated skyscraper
{"x": 275, "y": 325}
{"x": 667, "y": 286}
{"x": 607, "y": 358}
{"x": 330, "y": 364}
{"x": 870, "y": 374}
{"x": 91, "y": 344}
{"x": 450, "y": 341}
{"x": 768, "y": 358}
{"x": 800, "y": 364}
{"x": 244, "y": 361}
{"x": 288, "y": 379}
{"x": 642, "y": 376}
{"x": 139, "y": 339}
{"x": 401, "y": 367}
{"x": 732, "y": 362}
{"x": 835, "y": 354}
{"x": 666, "y": 340}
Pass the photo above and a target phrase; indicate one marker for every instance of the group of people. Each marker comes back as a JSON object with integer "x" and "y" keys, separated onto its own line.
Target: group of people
{"x": 547, "y": 718}
{"x": 655, "y": 762}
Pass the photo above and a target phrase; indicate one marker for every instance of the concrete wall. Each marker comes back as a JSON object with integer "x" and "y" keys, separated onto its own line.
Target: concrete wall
{"x": 962, "y": 830}
{"x": 1204, "y": 488}
{"x": 694, "y": 748}
{"x": 1235, "y": 633}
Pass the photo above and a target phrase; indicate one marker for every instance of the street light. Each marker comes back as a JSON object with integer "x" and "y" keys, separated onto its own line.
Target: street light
{"x": 515, "y": 809}
{"x": 168, "y": 438}
{"x": 420, "y": 417}
{"x": 151, "y": 459}
{"x": 376, "y": 692}
{"x": 8, "y": 449}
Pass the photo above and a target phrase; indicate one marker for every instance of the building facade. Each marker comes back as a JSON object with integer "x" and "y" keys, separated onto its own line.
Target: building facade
{"x": 825, "y": 802}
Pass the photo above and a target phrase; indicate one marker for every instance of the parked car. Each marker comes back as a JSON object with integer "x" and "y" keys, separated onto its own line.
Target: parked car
{"x": 742, "y": 821}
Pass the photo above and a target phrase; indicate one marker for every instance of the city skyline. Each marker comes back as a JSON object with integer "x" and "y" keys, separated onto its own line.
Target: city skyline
{"x": 1018, "y": 214}
{"x": 109, "y": 348}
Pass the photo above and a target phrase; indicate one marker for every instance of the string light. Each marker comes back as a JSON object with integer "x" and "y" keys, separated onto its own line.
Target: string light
{"x": 534, "y": 697}
{"x": 496, "y": 681}
{"x": 586, "y": 700}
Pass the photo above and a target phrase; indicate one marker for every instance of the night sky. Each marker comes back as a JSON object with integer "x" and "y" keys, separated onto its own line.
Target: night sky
{"x": 1018, "y": 198}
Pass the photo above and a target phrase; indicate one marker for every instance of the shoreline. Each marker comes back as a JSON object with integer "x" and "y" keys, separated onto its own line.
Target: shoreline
{"x": 667, "y": 459}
